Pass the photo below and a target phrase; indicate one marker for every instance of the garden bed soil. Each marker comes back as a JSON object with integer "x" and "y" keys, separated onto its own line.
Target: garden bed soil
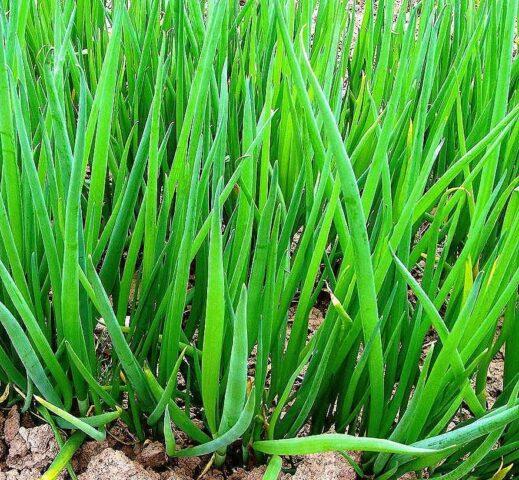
{"x": 27, "y": 449}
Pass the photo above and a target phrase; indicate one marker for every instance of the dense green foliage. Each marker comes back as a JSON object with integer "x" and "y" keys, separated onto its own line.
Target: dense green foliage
{"x": 194, "y": 177}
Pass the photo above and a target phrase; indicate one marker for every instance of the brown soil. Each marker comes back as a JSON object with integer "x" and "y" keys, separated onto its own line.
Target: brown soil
{"x": 495, "y": 378}
{"x": 27, "y": 451}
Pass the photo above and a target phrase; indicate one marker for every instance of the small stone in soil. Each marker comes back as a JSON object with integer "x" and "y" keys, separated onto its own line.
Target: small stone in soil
{"x": 115, "y": 465}
{"x": 32, "y": 474}
{"x": 326, "y": 466}
{"x": 32, "y": 448}
{"x": 152, "y": 455}
{"x": 88, "y": 450}
{"x": 11, "y": 424}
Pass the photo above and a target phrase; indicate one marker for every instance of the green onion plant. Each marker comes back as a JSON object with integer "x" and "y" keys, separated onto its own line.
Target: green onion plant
{"x": 194, "y": 177}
